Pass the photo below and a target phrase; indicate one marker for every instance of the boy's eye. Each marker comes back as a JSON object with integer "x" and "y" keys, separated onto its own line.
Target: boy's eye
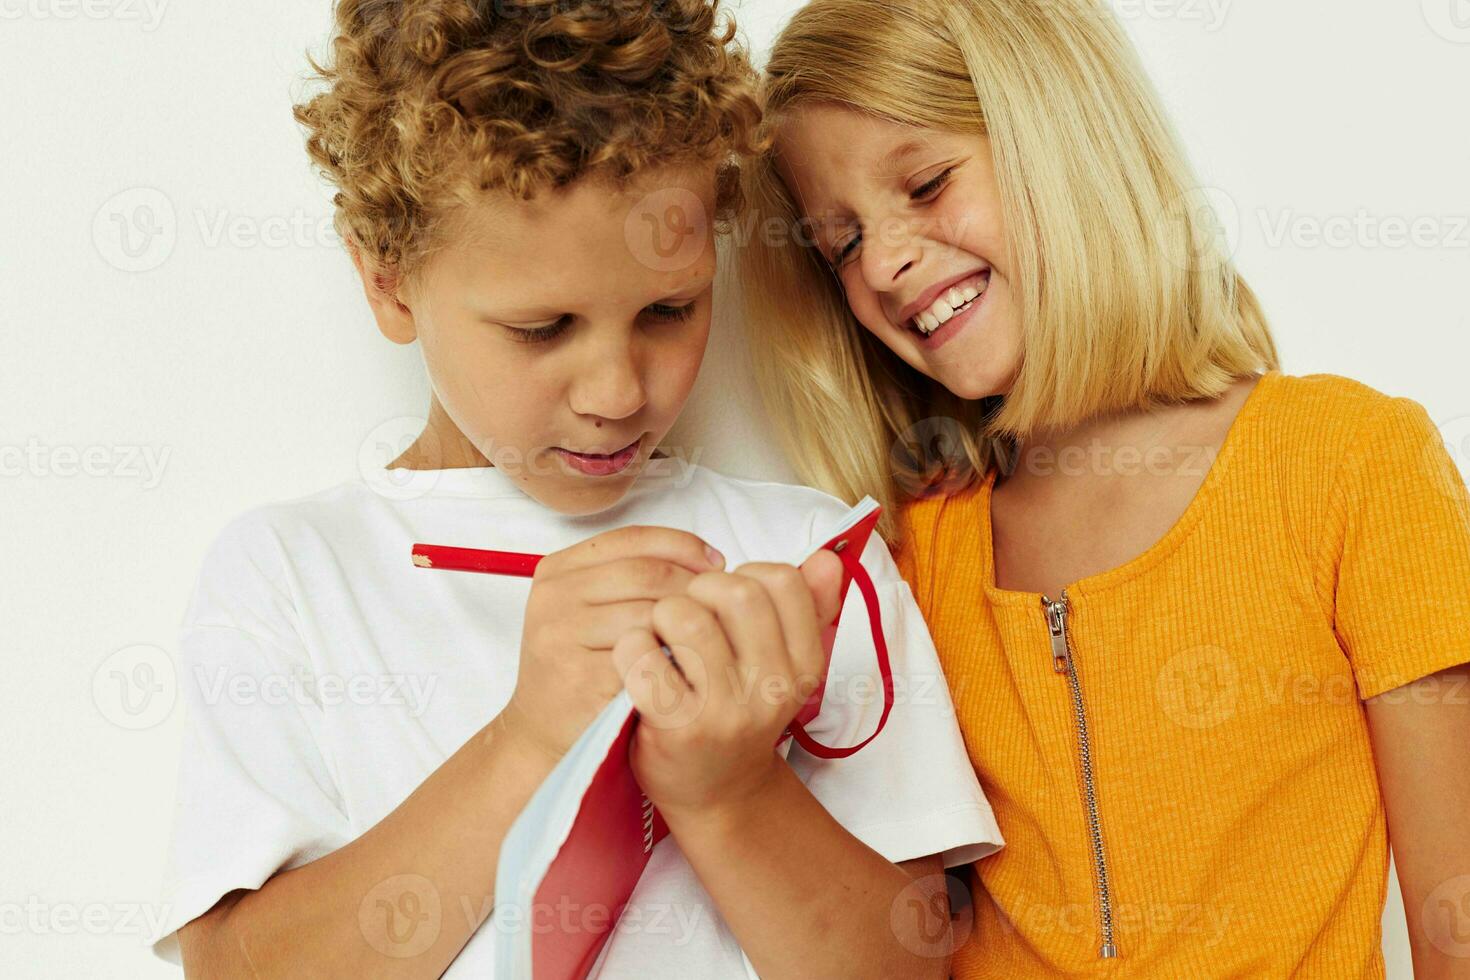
{"x": 540, "y": 334}
{"x": 536, "y": 335}
{"x": 933, "y": 186}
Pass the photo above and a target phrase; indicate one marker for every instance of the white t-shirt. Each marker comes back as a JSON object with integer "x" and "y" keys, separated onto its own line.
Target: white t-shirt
{"x": 326, "y": 676}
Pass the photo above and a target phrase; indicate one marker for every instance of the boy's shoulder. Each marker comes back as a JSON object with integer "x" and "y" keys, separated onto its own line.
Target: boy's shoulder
{"x": 259, "y": 543}
{"x": 270, "y": 522}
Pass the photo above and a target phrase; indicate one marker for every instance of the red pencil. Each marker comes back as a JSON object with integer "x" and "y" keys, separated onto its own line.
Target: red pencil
{"x": 475, "y": 560}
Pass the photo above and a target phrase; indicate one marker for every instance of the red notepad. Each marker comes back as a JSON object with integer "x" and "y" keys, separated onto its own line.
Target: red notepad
{"x": 570, "y": 862}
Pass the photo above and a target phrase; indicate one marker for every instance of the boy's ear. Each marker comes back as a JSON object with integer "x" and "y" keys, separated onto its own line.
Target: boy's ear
{"x": 395, "y": 321}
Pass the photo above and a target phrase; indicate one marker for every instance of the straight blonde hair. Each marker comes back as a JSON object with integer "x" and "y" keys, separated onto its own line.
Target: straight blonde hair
{"x": 1128, "y": 298}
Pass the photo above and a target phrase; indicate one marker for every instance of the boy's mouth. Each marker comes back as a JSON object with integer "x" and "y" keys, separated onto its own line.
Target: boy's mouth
{"x": 601, "y": 464}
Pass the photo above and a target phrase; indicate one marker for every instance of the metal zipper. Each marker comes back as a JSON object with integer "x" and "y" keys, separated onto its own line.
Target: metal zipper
{"x": 1061, "y": 661}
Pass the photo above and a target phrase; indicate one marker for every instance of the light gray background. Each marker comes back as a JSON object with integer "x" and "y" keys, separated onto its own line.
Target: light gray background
{"x": 169, "y": 291}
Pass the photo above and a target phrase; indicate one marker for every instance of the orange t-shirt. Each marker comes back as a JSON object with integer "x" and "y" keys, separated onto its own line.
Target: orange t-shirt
{"x": 1203, "y": 798}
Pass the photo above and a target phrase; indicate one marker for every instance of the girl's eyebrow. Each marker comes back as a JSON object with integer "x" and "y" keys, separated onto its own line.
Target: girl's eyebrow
{"x": 890, "y": 162}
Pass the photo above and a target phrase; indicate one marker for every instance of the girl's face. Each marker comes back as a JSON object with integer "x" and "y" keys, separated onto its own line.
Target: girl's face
{"x": 562, "y": 336}
{"x": 910, "y": 220}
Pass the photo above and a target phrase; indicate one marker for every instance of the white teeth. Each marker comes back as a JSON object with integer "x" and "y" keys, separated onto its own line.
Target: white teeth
{"x": 946, "y": 305}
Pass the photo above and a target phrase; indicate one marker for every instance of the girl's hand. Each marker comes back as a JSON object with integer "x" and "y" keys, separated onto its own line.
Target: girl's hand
{"x": 745, "y": 653}
{"x": 584, "y": 598}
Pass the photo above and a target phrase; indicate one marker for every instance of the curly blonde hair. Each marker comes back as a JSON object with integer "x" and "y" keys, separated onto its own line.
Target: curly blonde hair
{"x": 431, "y": 103}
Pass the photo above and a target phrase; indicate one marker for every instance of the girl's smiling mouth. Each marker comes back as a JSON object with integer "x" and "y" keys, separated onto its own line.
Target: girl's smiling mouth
{"x": 942, "y": 310}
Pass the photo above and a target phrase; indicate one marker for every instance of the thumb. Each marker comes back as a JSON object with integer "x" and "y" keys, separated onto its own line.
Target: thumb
{"x": 823, "y": 573}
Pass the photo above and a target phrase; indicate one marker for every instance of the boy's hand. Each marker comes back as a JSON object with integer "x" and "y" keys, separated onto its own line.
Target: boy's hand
{"x": 583, "y": 598}
{"x": 746, "y": 653}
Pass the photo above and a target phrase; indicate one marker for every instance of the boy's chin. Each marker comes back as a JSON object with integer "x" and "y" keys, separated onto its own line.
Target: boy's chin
{"x": 579, "y": 496}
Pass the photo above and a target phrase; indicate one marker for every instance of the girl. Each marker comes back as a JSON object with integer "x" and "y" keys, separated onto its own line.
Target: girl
{"x": 1178, "y": 593}
{"x": 363, "y": 732}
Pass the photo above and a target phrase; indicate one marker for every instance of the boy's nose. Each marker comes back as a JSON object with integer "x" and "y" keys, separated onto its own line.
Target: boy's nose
{"x": 610, "y": 389}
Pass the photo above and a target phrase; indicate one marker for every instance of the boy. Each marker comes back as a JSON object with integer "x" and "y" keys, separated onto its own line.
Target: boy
{"x": 529, "y": 193}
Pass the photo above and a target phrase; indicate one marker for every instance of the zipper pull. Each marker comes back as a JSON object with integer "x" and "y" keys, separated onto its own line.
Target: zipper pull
{"x": 1056, "y": 622}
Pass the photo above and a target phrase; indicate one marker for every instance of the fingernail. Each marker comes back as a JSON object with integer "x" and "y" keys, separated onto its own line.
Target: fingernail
{"x": 715, "y": 558}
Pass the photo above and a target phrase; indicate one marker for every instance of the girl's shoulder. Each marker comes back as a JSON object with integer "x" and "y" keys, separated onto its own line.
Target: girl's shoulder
{"x": 1323, "y": 435}
{"x": 1313, "y": 443}
{"x": 1322, "y": 407}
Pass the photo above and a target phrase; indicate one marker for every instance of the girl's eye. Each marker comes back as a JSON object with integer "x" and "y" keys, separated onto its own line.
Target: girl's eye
{"x": 933, "y": 186}
{"x": 845, "y": 251}
{"x": 665, "y": 312}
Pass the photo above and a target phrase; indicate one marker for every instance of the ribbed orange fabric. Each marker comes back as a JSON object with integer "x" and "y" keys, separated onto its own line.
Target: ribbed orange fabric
{"x": 1323, "y": 561}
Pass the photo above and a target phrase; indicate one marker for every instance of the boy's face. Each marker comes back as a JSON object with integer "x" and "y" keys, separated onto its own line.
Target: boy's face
{"x": 562, "y": 336}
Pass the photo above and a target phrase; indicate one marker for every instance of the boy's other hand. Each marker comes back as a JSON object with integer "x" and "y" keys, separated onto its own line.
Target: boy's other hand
{"x": 744, "y": 653}
{"x": 584, "y": 598}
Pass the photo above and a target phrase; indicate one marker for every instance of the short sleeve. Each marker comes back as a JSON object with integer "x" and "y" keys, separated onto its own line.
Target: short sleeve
{"x": 911, "y": 791}
{"x": 1402, "y": 600}
{"x": 255, "y": 794}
